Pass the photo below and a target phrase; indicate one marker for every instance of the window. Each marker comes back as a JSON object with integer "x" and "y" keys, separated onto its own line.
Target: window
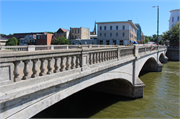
{"x": 116, "y": 34}
{"x": 44, "y": 37}
{"x": 114, "y": 42}
{"x": 38, "y": 37}
{"x": 116, "y": 27}
{"x": 178, "y": 18}
{"x": 172, "y": 19}
{"x": 110, "y": 27}
{"x": 72, "y": 30}
{"x": 110, "y": 34}
{"x": 121, "y": 42}
{"x": 107, "y": 42}
{"x": 104, "y": 27}
{"x": 75, "y": 37}
{"x": 75, "y": 30}
{"x": 101, "y": 42}
{"x": 100, "y": 27}
{"x": 100, "y": 34}
{"x": 123, "y": 34}
{"x": 123, "y": 27}
{"x": 78, "y": 30}
{"x": 104, "y": 34}
{"x": 41, "y": 37}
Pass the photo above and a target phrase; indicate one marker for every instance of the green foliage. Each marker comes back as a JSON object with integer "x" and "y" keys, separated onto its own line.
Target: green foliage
{"x": 12, "y": 41}
{"x": 147, "y": 39}
{"x": 11, "y": 34}
{"x": 61, "y": 41}
{"x": 49, "y": 32}
{"x": 3, "y": 34}
{"x": 173, "y": 34}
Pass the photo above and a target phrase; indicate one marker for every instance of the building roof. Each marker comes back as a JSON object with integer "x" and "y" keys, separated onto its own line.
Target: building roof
{"x": 2, "y": 38}
{"x": 129, "y": 21}
{"x": 62, "y": 29}
{"x": 175, "y": 10}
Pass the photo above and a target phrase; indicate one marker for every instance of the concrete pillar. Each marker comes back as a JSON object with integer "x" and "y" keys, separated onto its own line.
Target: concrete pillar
{"x": 84, "y": 60}
{"x": 31, "y": 47}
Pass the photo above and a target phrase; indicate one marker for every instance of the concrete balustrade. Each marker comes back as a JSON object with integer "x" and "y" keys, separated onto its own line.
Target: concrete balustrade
{"x": 31, "y": 79}
{"x": 90, "y": 56}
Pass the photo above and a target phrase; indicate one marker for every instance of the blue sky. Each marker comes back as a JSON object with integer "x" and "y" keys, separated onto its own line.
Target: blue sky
{"x": 49, "y": 15}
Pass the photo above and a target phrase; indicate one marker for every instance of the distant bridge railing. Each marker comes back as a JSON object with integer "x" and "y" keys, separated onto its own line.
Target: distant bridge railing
{"x": 48, "y": 47}
{"x": 65, "y": 59}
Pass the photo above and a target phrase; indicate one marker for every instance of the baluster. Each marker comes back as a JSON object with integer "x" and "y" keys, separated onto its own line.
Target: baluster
{"x": 90, "y": 55}
{"x": 77, "y": 61}
{"x": 67, "y": 63}
{"x": 42, "y": 68}
{"x": 80, "y": 60}
{"x": 34, "y": 69}
{"x": 97, "y": 58}
{"x": 104, "y": 56}
{"x": 100, "y": 58}
{"x": 49, "y": 67}
{"x": 94, "y": 58}
{"x": 16, "y": 71}
{"x": 107, "y": 56}
{"x": 113, "y": 54}
{"x": 62, "y": 64}
{"x": 73, "y": 62}
{"x": 56, "y": 66}
{"x": 26, "y": 69}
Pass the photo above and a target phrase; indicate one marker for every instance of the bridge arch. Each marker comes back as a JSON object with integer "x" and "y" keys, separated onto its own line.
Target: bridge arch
{"x": 84, "y": 83}
{"x": 145, "y": 63}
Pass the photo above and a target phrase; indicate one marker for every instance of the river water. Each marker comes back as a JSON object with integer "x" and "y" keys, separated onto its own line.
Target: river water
{"x": 161, "y": 100}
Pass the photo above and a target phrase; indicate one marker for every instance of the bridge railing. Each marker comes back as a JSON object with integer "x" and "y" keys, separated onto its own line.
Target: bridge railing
{"x": 142, "y": 49}
{"x": 58, "y": 61}
{"x": 49, "y": 47}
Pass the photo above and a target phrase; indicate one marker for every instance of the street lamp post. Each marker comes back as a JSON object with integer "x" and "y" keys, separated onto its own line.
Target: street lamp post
{"x": 157, "y": 24}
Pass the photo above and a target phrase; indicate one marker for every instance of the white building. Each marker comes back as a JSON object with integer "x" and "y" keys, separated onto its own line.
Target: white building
{"x": 28, "y": 39}
{"x": 116, "y": 33}
{"x": 174, "y": 17}
{"x": 3, "y": 40}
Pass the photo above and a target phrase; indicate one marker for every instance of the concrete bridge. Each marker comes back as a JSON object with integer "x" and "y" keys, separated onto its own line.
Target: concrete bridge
{"x": 31, "y": 81}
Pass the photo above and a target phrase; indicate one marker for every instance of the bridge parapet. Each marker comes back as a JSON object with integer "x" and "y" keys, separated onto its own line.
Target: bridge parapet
{"x": 65, "y": 59}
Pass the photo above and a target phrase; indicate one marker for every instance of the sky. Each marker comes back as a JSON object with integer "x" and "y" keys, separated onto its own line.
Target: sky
{"x": 24, "y": 16}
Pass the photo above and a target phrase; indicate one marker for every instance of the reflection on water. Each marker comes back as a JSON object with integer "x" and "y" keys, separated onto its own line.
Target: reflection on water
{"x": 161, "y": 99}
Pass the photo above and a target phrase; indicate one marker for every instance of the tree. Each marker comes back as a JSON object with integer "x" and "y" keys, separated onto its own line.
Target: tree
{"x": 3, "y": 35}
{"x": 173, "y": 34}
{"x": 60, "y": 41}
{"x": 147, "y": 39}
{"x": 12, "y": 41}
{"x": 49, "y": 32}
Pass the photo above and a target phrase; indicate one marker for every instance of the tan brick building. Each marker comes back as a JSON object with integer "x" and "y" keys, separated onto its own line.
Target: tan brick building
{"x": 79, "y": 33}
{"x": 117, "y": 33}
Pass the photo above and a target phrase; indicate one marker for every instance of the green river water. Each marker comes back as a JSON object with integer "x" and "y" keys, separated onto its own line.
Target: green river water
{"x": 161, "y": 100}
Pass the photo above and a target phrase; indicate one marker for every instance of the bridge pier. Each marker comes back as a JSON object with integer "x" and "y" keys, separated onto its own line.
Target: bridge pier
{"x": 119, "y": 87}
{"x": 163, "y": 59}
